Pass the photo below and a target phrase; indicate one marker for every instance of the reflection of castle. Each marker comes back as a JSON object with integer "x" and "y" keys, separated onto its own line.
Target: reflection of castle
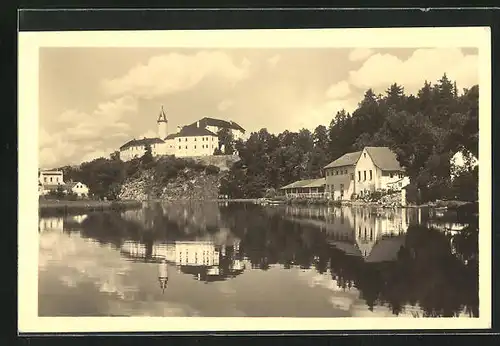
{"x": 375, "y": 235}
{"x": 203, "y": 259}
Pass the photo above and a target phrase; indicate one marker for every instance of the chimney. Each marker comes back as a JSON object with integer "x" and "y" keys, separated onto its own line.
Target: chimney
{"x": 198, "y": 123}
{"x": 179, "y": 129}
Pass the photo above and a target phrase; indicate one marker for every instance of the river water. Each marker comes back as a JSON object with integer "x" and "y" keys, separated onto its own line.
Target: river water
{"x": 241, "y": 259}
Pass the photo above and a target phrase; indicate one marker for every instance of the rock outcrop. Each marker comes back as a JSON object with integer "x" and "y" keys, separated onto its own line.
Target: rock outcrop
{"x": 189, "y": 184}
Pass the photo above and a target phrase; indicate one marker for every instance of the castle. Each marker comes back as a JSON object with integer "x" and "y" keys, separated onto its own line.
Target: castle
{"x": 197, "y": 139}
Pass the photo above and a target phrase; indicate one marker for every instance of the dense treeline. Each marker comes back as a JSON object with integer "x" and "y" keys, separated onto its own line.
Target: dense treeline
{"x": 424, "y": 130}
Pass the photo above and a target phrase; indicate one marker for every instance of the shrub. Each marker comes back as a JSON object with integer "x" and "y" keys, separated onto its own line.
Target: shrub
{"x": 212, "y": 170}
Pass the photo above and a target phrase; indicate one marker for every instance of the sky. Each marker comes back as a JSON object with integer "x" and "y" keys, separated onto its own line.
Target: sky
{"x": 93, "y": 100}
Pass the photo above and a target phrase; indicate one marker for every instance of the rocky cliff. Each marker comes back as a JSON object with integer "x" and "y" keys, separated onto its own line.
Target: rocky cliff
{"x": 189, "y": 184}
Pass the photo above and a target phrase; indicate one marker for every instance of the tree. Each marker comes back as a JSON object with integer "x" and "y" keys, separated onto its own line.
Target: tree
{"x": 147, "y": 158}
{"x": 226, "y": 140}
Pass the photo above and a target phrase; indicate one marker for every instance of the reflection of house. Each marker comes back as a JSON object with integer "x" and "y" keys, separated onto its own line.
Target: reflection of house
{"x": 305, "y": 188}
{"x": 46, "y": 224}
{"x": 357, "y": 231}
{"x": 373, "y": 168}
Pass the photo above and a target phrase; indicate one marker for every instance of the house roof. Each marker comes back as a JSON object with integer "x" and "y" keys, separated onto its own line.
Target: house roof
{"x": 305, "y": 183}
{"x": 140, "y": 142}
{"x": 386, "y": 250}
{"x": 72, "y": 184}
{"x": 191, "y": 131}
{"x": 348, "y": 159}
{"x": 204, "y": 122}
{"x": 384, "y": 158}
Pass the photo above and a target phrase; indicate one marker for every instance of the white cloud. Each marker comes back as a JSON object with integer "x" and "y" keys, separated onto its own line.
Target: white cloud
{"x": 274, "y": 60}
{"x": 323, "y": 114}
{"x": 339, "y": 90}
{"x": 358, "y": 54}
{"x": 81, "y": 134}
{"x": 170, "y": 73}
{"x": 381, "y": 70}
{"x": 225, "y": 104}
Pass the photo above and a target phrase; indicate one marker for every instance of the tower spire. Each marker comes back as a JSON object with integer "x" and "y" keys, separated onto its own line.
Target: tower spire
{"x": 162, "y": 123}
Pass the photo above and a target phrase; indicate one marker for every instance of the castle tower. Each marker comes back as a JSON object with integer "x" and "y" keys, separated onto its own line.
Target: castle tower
{"x": 162, "y": 124}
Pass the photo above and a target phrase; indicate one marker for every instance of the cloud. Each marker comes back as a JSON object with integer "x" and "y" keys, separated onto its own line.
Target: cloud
{"x": 171, "y": 73}
{"x": 339, "y": 90}
{"x": 274, "y": 60}
{"x": 225, "y": 104}
{"x": 80, "y": 135}
{"x": 358, "y": 54}
{"x": 322, "y": 114}
{"x": 381, "y": 70}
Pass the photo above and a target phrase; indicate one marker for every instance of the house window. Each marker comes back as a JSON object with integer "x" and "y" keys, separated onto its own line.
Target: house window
{"x": 371, "y": 176}
{"x": 359, "y": 175}
{"x": 342, "y": 189}
{"x": 336, "y": 172}
{"x": 364, "y": 175}
{"x": 195, "y": 146}
{"x": 179, "y": 147}
{"x": 195, "y": 139}
{"x": 185, "y": 140}
{"x": 186, "y": 146}
{"x": 45, "y": 179}
{"x": 392, "y": 175}
{"x": 352, "y": 176}
{"x": 50, "y": 179}
{"x": 364, "y": 154}
{"x": 179, "y": 139}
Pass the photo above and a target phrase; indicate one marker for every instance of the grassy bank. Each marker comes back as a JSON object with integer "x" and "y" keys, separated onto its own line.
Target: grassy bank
{"x": 58, "y": 207}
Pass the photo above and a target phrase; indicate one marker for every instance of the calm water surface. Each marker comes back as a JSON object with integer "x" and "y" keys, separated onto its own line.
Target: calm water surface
{"x": 209, "y": 259}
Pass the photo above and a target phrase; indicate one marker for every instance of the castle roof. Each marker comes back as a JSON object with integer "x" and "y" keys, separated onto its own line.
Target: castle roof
{"x": 204, "y": 122}
{"x": 191, "y": 131}
{"x": 141, "y": 142}
{"x": 162, "y": 117}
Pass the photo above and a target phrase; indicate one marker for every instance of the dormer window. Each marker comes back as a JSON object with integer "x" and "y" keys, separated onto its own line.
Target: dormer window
{"x": 364, "y": 154}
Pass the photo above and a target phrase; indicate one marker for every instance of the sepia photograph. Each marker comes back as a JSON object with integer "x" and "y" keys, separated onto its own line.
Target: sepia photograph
{"x": 254, "y": 180}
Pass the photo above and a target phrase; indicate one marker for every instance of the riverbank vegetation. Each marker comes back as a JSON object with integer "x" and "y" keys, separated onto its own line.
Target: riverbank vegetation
{"x": 424, "y": 130}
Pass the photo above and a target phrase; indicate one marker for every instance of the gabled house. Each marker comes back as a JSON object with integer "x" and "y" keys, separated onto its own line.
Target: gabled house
{"x": 78, "y": 188}
{"x": 361, "y": 172}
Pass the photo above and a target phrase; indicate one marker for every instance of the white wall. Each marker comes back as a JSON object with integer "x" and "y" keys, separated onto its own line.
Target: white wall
{"x": 80, "y": 189}
{"x": 52, "y": 177}
{"x": 195, "y": 145}
{"x": 337, "y": 177}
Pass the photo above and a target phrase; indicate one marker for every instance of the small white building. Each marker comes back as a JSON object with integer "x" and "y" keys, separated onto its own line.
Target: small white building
{"x": 463, "y": 160}
{"x": 78, "y": 188}
{"x": 49, "y": 180}
{"x": 361, "y": 172}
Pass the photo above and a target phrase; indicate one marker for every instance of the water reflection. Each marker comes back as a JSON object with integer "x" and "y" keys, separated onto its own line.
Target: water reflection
{"x": 374, "y": 262}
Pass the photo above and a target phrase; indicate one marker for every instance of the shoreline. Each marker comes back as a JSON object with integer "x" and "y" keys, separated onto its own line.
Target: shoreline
{"x": 51, "y": 207}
